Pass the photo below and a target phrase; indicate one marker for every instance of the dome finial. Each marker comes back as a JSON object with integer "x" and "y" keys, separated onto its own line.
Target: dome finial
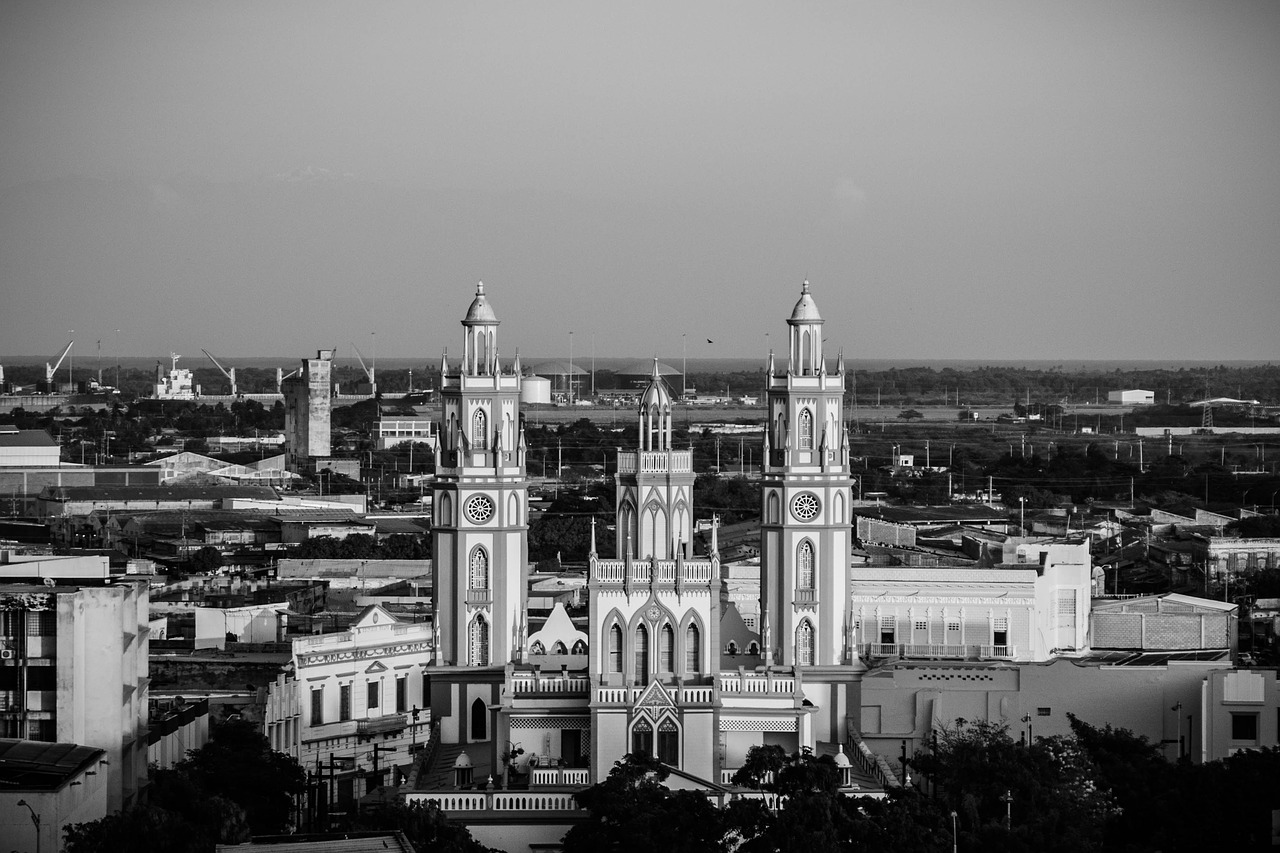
{"x": 480, "y": 288}
{"x": 804, "y": 288}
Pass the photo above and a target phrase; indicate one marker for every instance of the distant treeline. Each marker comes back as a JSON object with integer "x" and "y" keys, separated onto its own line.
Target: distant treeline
{"x": 908, "y": 386}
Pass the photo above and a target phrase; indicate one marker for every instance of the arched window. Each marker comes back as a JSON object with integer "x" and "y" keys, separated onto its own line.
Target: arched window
{"x": 446, "y": 510}
{"x": 480, "y": 430}
{"x": 731, "y": 649}
{"x": 667, "y": 650}
{"x": 692, "y": 649}
{"x": 642, "y": 655}
{"x": 479, "y": 642}
{"x": 537, "y": 648}
{"x": 774, "y": 509}
{"x": 804, "y": 644}
{"x": 668, "y": 743}
{"x": 579, "y": 648}
{"x": 806, "y": 430}
{"x": 804, "y": 565}
{"x": 753, "y": 648}
{"x": 558, "y": 648}
{"x": 615, "y": 649}
{"x": 479, "y": 569}
{"x": 642, "y": 738}
{"x": 479, "y": 720}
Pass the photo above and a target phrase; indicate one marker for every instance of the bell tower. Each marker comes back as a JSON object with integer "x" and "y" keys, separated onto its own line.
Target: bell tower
{"x": 805, "y": 535}
{"x": 655, "y": 484}
{"x": 480, "y": 502}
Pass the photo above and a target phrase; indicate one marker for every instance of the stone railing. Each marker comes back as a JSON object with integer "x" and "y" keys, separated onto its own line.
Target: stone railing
{"x": 529, "y": 683}
{"x": 952, "y": 651}
{"x": 496, "y": 801}
{"x": 615, "y": 571}
{"x": 756, "y": 683}
{"x": 564, "y": 777}
{"x": 655, "y": 461}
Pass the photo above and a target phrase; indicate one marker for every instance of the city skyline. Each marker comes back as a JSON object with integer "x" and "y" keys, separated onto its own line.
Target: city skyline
{"x": 986, "y": 182}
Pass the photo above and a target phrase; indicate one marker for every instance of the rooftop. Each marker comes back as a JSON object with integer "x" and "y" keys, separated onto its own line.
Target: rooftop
{"x": 29, "y": 765}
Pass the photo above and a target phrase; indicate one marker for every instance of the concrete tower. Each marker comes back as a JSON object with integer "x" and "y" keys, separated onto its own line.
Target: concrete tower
{"x": 307, "y": 406}
{"x": 655, "y": 484}
{"x": 480, "y": 503}
{"x": 804, "y": 533}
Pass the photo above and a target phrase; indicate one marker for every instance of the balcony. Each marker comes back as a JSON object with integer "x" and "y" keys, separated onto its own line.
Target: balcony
{"x": 565, "y": 777}
{"x": 384, "y": 725}
{"x": 528, "y": 683}
{"x": 756, "y": 684}
{"x": 471, "y": 802}
{"x": 944, "y": 651}
{"x": 655, "y": 462}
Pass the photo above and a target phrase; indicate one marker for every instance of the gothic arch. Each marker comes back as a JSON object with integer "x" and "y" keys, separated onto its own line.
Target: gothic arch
{"x": 613, "y": 641}
{"x": 666, "y": 648}
{"x": 628, "y": 531}
{"x": 806, "y": 564}
{"x": 478, "y": 641}
{"x": 478, "y": 569}
{"x": 513, "y": 509}
{"x": 805, "y": 643}
{"x": 480, "y": 429}
{"x": 838, "y": 511}
{"x": 773, "y": 509}
{"x": 479, "y": 720}
{"x": 446, "y": 509}
{"x": 692, "y": 622}
{"x": 804, "y": 424}
{"x": 643, "y": 659}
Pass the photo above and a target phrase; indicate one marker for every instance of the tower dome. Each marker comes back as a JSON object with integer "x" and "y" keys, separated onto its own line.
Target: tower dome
{"x": 806, "y": 310}
{"x": 656, "y": 394}
{"x": 480, "y": 312}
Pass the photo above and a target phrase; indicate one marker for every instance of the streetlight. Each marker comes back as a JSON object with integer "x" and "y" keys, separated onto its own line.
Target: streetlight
{"x": 1022, "y": 516}
{"x": 35, "y": 819}
{"x": 954, "y": 843}
{"x": 1177, "y": 718}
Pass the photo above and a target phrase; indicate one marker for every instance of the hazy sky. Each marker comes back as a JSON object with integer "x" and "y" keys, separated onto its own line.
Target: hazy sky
{"x": 956, "y": 179}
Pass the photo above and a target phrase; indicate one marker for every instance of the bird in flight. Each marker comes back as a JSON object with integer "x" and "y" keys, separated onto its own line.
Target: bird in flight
{"x": 710, "y": 341}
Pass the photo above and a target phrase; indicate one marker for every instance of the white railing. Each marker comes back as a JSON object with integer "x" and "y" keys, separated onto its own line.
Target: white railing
{"x": 755, "y": 683}
{"x": 617, "y": 695}
{"x": 997, "y": 651}
{"x": 566, "y": 777}
{"x": 696, "y": 696}
{"x": 499, "y": 801}
{"x": 550, "y": 684}
{"x": 937, "y": 650}
{"x": 655, "y": 461}
{"x": 615, "y": 571}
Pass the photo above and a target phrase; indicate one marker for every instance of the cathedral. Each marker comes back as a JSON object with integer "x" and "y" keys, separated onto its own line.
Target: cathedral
{"x": 651, "y": 672}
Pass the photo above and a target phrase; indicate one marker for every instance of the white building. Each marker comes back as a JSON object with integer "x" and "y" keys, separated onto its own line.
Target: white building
{"x": 1133, "y": 397}
{"x": 352, "y": 697}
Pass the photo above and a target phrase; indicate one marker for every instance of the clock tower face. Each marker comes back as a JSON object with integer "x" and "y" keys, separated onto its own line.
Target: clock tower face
{"x": 479, "y": 509}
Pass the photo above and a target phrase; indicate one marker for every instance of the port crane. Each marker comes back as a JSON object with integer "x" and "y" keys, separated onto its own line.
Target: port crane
{"x": 51, "y": 370}
{"x": 281, "y": 376}
{"x": 230, "y": 374}
{"x": 368, "y": 371}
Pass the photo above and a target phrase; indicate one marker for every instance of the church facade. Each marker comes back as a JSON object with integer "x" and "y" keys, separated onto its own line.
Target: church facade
{"x": 650, "y": 672}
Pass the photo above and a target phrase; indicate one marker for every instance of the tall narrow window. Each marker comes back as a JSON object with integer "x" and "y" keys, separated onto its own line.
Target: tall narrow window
{"x": 615, "y": 649}
{"x": 479, "y": 430}
{"x": 668, "y": 743}
{"x": 317, "y": 706}
{"x": 344, "y": 702}
{"x": 692, "y": 652}
{"x": 374, "y": 690}
{"x": 479, "y": 569}
{"x": 667, "y": 649}
{"x": 804, "y": 565}
{"x": 773, "y": 509}
{"x": 804, "y": 644}
{"x": 402, "y": 694}
{"x": 479, "y": 642}
{"x": 642, "y": 739}
{"x": 479, "y": 720}
{"x": 806, "y": 430}
{"x": 642, "y": 655}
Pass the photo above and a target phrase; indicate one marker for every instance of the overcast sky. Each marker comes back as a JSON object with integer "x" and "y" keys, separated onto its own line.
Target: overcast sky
{"x": 1003, "y": 180}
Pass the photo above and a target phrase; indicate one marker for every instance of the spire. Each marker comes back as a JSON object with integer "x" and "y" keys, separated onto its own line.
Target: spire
{"x": 840, "y": 362}
{"x": 515, "y": 365}
{"x": 715, "y": 536}
{"x": 768, "y": 641}
{"x": 444, "y": 363}
{"x": 770, "y": 368}
{"x": 592, "y": 552}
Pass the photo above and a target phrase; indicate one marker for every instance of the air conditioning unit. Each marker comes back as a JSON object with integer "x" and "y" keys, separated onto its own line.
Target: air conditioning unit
{"x": 7, "y": 654}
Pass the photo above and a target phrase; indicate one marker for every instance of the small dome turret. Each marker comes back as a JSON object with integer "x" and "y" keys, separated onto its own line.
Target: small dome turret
{"x": 656, "y": 394}
{"x": 806, "y": 310}
{"x": 480, "y": 312}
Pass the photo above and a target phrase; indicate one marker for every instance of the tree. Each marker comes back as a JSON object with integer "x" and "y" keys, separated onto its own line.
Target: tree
{"x": 633, "y": 812}
{"x": 239, "y": 764}
{"x": 424, "y": 824}
{"x": 140, "y": 829}
{"x": 207, "y": 559}
{"x": 909, "y": 415}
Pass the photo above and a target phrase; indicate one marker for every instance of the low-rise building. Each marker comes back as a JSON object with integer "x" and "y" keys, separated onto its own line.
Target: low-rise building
{"x": 45, "y": 787}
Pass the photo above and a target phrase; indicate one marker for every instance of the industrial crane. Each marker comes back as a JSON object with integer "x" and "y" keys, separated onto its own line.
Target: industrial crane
{"x": 281, "y": 376}
{"x": 368, "y": 371}
{"x": 51, "y": 370}
{"x": 230, "y": 374}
